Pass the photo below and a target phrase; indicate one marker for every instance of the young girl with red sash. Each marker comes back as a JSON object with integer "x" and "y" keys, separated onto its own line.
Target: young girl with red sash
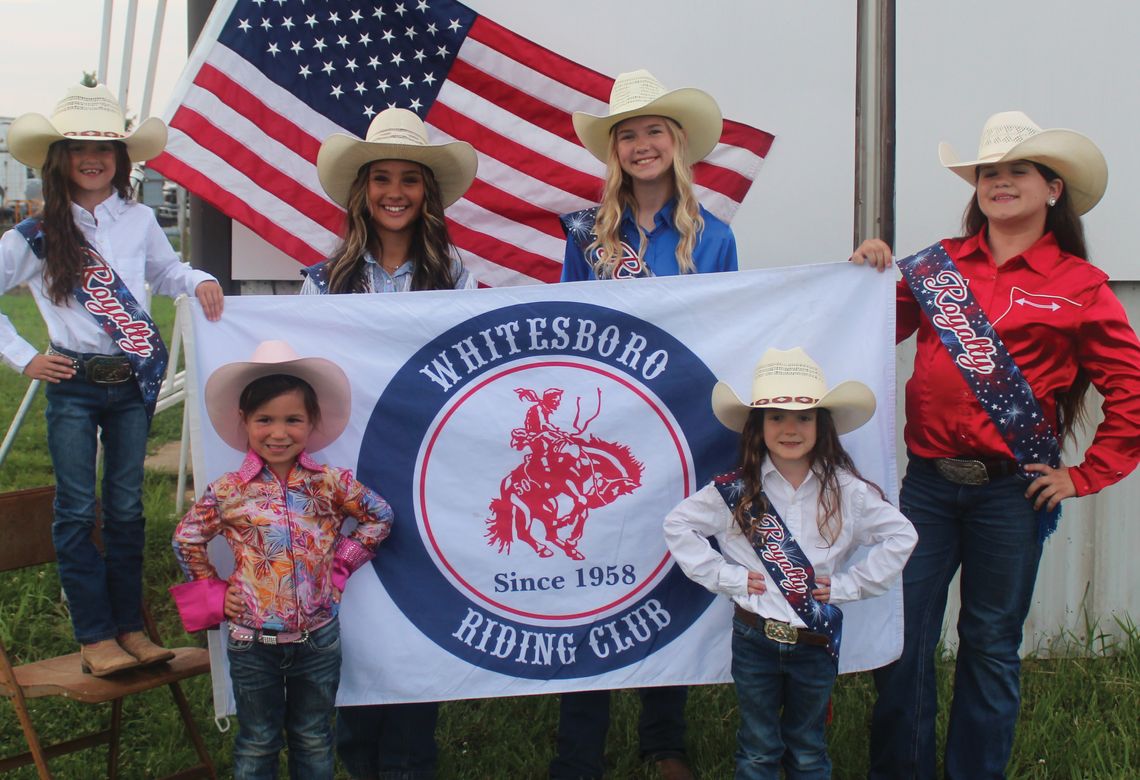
{"x": 1013, "y": 325}
{"x": 87, "y": 259}
{"x": 787, "y": 522}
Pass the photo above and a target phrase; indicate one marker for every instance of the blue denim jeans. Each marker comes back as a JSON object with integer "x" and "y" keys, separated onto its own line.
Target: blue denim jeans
{"x": 782, "y": 692}
{"x": 991, "y": 532}
{"x": 104, "y": 592}
{"x": 388, "y": 741}
{"x": 285, "y": 688}
{"x": 584, "y": 721}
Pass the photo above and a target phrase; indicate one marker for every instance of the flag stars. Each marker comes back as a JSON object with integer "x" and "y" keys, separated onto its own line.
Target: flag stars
{"x": 419, "y": 56}
{"x": 431, "y": 28}
{"x": 369, "y": 111}
{"x": 336, "y": 91}
{"x": 266, "y": 24}
{"x": 374, "y": 62}
{"x": 382, "y": 85}
{"x": 296, "y": 48}
{"x": 319, "y": 44}
{"x": 400, "y": 9}
{"x": 388, "y": 36}
{"x": 410, "y": 33}
{"x": 406, "y": 82}
{"x": 342, "y": 41}
{"x": 397, "y": 59}
{"x": 429, "y": 79}
{"x": 334, "y": 17}
{"x": 356, "y": 16}
{"x": 244, "y": 25}
{"x": 304, "y": 72}
{"x": 442, "y": 52}
{"x": 365, "y": 39}
{"x": 415, "y": 105}
{"x": 360, "y": 89}
{"x": 454, "y": 26}
{"x": 273, "y": 49}
{"x": 351, "y": 65}
{"x": 422, "y": 5}
{"x": 311, "y": 20}
{"x": 378, "y": 13}
{"x": 287, "y": 23}
{"x": 328, "y": 68}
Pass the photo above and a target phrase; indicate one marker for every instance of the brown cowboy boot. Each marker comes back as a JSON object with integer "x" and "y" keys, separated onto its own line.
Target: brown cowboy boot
{"x": 147, "y": 652}
{"x": 106, "y": 657}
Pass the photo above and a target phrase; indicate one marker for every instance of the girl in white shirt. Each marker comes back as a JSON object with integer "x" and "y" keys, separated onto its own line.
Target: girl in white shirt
{"x": 87, "y": 260}
{"x": 798, "y": 499}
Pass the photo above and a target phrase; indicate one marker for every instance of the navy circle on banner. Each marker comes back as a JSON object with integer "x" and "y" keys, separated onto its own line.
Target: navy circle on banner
{"x": 392, "y": 456}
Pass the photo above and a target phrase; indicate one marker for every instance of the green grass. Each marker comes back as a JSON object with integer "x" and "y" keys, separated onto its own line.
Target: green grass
{"x": 1080, "y": 716}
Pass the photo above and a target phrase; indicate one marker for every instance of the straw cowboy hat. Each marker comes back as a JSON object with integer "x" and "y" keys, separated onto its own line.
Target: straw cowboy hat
{"x": 791, "y": 380}
{"x": 84, "y": 114}
{"x": 638, "y": 93}
{"x": 328, "y": 380}
{"x": 395, "y": 134}
{"x": 1011, "y": 135}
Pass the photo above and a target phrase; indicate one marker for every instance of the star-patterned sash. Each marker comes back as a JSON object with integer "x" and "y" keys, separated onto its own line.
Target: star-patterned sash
{"x": 985, "y": 364}
{"x": 103, "y": 294}
{"x": 579, "y": 227}
{"x": 319, "y": 273}
{"x": 786, "y": 564}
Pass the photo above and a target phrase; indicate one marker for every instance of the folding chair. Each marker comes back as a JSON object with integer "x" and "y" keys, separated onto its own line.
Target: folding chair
{"x": 25, "y": 541}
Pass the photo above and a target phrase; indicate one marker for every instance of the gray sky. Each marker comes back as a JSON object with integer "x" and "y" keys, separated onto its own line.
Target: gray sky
{"x": 49, "y": 43}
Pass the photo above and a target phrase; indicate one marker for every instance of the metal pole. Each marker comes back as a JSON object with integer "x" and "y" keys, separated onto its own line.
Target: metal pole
{"x": 152, "y": 62}
{"x": 128, "y": 51}
{"x": 875, "y": 122}
{"x": 18, "y": 420}
{"x": 105, "y": 42}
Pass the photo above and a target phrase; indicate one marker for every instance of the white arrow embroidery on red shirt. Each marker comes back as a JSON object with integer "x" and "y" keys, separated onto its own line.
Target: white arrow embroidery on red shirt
{"x": 1023, "y": 298}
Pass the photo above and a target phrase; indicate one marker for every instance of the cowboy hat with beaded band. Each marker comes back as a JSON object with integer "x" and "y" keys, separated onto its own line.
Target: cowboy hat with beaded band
{"x": 638, "y": 93}
{"x": 84, "y": 114}
{"x": 395, "y": 134}
{"x": 1011, "y": 135}
{"x": 328, "y": 380}
{"x": 791, "y": 380}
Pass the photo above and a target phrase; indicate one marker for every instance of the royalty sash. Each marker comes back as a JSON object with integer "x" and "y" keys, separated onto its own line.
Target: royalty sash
{"x": 579, "y": 227}
{"x": 785, "y": 563}
{"x": 105, "y": 296}
{"x": 985, "y": 364}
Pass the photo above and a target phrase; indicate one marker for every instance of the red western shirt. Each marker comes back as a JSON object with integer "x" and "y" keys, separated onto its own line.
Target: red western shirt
{"x": 1055, "y": 313}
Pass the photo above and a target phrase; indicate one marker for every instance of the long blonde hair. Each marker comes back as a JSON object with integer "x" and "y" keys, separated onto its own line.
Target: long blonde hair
{"x": 617, "y": 196}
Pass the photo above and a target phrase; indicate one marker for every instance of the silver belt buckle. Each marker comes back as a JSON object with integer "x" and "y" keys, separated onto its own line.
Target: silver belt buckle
{"x": 784, "y": 633}
{"x": 961, "y": 471}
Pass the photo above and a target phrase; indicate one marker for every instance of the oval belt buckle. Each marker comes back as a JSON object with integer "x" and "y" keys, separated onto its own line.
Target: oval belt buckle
{"x": 784, "y": 633}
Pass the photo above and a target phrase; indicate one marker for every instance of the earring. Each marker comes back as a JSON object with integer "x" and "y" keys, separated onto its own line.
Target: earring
{"x": 1052, "y": 201}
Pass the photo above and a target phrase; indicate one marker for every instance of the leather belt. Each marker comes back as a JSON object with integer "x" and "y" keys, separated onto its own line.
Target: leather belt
{"x": 973, "y": 471}
{"x": 97, "y": 369}
{"x": 267, "y": 636}
{"x": 778, "y": 631}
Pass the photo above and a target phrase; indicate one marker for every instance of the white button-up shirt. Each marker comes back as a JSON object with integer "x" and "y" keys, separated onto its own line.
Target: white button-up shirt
{"x": 868, "y": 521}
{"x": 128, "y": 237}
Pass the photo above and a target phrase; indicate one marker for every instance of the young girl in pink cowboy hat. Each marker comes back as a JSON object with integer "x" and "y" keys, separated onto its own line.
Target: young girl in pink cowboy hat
{"x": 786, "y": 523}
{"x": 394, "y": 186}
{"x": 282, "y": 514}
{"x": 87, "y": 259}
{"x": 649, "y": 223}
{"x": 991, "y": 399}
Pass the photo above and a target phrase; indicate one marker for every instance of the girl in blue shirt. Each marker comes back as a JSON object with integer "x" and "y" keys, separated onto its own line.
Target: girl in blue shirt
{"x": 648, "y": 223}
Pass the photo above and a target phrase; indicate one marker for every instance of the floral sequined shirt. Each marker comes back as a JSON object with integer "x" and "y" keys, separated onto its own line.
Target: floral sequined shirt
{"x": 283, "y": 537}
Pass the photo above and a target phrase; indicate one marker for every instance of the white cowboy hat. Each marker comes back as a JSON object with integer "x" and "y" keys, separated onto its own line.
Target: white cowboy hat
{"x": 395, "y": 134}
{"x": 791, "y": 380}
{"x": 328, "y": 380}
{"x": 84, "y": 114}
{"x": 638, "y": 93}
{"x": 1011, "y": 135}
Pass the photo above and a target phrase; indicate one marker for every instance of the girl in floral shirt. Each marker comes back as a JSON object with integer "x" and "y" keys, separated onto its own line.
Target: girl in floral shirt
{"x": 281, "y": 514}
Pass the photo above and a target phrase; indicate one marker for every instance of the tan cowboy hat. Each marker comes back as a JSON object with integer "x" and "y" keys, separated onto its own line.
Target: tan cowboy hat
{"x": 638, "y": 93}
{"x": 328, "y": 380}
{"x": 395, "y": 134}
{"x": 1011, "y": 135}
{"x": 790, "y": 379}
{"x": 84, "y": 114}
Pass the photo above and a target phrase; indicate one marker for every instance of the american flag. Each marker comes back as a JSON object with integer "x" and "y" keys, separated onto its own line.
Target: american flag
{"x": 270, "y": 79}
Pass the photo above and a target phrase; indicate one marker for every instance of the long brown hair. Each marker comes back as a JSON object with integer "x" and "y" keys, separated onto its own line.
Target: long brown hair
{"x": 1065, "y": 224}
{"x": 617, "y": 196}
{"x": 64, "y": 256}
{"x": 828, "y": 458}
{"x": 431, "y": 249}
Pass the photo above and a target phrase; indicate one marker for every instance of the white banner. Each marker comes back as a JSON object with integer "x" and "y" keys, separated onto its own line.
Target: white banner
{"x": 521, "y": 564}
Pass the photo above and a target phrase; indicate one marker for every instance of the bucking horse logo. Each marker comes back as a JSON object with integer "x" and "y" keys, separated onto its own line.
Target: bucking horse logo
{"x": 562, "y": 477}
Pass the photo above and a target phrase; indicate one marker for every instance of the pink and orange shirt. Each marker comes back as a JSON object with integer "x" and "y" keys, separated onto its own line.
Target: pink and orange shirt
{"x": 290, "y": 557}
